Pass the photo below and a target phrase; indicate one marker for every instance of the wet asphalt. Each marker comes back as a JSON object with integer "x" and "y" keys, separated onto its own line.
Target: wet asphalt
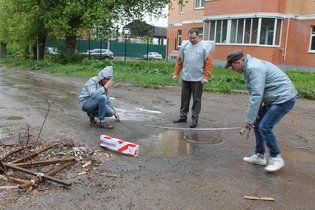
{"x": 175, "y": 169}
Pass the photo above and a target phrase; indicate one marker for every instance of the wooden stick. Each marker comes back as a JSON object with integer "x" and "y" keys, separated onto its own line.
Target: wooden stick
{"x": 18, "y": 181}
{"x": 50, "y": 178}
{"x": 44, "y": 162}
{"x": 33, "y": 155}
{"x": 41, "y": 128}
{"x": 249, "y": 197}
{"x": 50, "y": 173}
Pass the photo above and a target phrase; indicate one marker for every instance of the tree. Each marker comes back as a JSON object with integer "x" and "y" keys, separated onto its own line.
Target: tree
{"x": 138, "y": 28}
{"x": 29, "y": 22}
{"x": 3, "y": 30}
{"x": 67, "y": 18}
{"x": 22, "y": 25}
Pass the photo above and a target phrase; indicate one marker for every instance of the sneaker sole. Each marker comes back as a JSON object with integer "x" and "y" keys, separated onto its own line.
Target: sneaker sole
{"x": 256, "y": 163}
{"x": 274, "y": 170}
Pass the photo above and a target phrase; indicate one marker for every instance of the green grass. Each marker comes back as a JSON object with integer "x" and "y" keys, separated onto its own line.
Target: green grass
{"x": 156, "y": 74}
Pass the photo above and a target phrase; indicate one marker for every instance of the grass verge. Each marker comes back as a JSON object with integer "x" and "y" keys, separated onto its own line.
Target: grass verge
{"x": 156, "y": 74}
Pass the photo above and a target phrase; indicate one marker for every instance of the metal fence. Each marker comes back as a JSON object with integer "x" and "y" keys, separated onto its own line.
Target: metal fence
{"x": 120, "y": 49}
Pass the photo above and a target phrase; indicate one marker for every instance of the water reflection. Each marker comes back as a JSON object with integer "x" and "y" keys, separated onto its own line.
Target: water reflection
{"x": 167, "y": 144}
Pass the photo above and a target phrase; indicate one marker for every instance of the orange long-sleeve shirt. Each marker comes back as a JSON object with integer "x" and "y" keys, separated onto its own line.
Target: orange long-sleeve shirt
{"x": 208, "y": 66}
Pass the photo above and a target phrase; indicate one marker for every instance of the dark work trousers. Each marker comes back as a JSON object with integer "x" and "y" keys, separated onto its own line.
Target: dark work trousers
{"x": 188, "y": 89}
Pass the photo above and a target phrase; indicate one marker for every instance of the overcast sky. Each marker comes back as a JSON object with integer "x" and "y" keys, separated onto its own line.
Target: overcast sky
{"x": 161, "y": 21}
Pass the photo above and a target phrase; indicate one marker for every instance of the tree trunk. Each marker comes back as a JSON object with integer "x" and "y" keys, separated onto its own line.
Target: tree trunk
{"x": 34, "y": 50}
{"x": 71, "y": 39}
{"x": 71, "y": 42}
{"x": 41, "y": 40}
{"x": 3, "y": 50}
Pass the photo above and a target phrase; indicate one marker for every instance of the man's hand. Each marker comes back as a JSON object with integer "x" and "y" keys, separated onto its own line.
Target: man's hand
{"x": 204, "y": 81}
{"x": 175, "y": 77}
{"x": 108, "y": 84}
{"x": 117, "y": 117}
{"x": 249, "y": 126}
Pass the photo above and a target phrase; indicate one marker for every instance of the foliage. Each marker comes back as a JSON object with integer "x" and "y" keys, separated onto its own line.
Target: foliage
{"x": 304, "y": 83}
{"x": 23, "y": 22}
{"x": 139, "y": 28}
{"x": 64, "y": 58}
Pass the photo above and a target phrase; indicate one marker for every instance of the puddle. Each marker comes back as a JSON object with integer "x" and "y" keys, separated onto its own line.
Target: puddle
{"x": 202, "y": 138}
{"x": 14, "y": 118}
{"x": 166, "y": 144}
{"x": 173, "y": 143}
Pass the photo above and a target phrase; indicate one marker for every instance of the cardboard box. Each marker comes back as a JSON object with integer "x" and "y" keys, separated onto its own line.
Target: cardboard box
{"x": 119, "y": 145}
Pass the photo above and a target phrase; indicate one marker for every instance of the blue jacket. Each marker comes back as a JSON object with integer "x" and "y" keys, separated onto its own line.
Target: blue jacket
{"x": 267, "y": 84}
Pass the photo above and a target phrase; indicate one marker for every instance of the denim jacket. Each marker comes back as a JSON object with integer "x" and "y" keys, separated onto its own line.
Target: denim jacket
{"x": 267, "y": 84}
{"x": 94, "y": 88}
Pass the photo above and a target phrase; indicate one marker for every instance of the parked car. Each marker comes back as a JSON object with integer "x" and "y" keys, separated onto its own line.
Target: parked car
{"x": 52, "y": 50}
{"x": 99, "y": 53}
{"x": 152, "y": 56}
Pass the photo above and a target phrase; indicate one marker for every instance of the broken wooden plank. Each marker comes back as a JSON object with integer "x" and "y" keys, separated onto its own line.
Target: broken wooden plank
{"x": 44, "y": 162}
{"x": 50, "y": 173}
{"x": 33, "y": 154}
{"x": 250, "y": 197}
{"x": 43, "y": 176}
{"x": 17, "y": 180}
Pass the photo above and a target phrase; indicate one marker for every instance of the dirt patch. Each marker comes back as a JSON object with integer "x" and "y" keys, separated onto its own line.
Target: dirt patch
{"x": 173, "y": 169}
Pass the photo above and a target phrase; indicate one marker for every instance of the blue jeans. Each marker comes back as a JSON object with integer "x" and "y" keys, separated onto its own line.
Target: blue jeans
{"x": 98, "y": 107}
{"x": 268, "y": 117}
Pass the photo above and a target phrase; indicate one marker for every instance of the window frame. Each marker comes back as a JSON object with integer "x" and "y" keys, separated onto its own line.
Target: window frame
{"x": 181, "y": 7}
{"x": 179, "y": 38}
{"x": 312, "y": 40}
{"x": 199, "y": 4}
{"x": 247, "y": 31}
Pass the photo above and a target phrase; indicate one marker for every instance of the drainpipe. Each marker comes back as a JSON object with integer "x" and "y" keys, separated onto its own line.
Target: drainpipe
{"x": 286, "y": 40}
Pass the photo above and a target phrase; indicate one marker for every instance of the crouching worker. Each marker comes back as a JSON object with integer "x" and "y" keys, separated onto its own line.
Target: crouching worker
{"x": 272, "y": 97}
{"x": 94, "y": 98}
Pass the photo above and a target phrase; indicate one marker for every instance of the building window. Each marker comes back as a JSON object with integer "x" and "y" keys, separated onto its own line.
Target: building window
{"x": 312, "y": 44}
{"x": 221, "y": 29}
{"x": 267, "y": 31}
{"x": 246, "y": 31}
{"x": 181, "y": 6}
{"x": 199, "y": 4}
{"x": 200, "y": 31}
{"x": 179, "y": 38}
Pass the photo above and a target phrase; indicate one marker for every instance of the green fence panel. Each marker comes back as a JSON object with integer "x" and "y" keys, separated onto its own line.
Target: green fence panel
{"x": 134, "y": 50}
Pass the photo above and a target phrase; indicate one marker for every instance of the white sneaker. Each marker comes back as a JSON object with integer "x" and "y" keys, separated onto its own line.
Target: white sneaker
{"x": 274, "y": 164}
{"x": 258, "y": 159}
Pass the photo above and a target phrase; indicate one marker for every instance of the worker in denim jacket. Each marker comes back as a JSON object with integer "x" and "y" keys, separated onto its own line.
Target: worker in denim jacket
{"x": 94, "y": 99}
{"x": 272, "y": 96}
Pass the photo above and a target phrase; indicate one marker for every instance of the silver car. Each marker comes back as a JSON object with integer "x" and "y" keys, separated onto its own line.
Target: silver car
{"x": 152, "y": 56}
{"x": 99, "y": 53}
{"x": 51, "y": 50}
